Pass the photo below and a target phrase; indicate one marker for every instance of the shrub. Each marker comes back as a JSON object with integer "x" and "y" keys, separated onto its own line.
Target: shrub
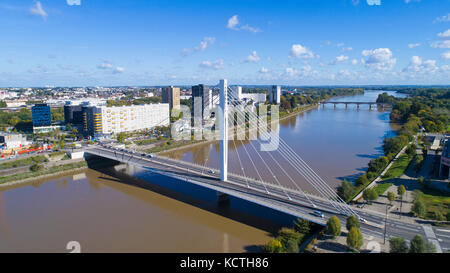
{"x": 35, "y": 167}
{"x": 273, "y": 246}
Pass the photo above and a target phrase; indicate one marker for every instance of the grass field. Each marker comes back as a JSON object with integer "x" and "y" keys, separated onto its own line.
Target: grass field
{"x": 436, "y": 201}
{"x": 381, "y": 188}
{"x": 398, "y": 168}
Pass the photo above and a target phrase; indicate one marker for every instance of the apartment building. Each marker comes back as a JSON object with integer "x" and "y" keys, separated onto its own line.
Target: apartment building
{"x": 101, "y": 120}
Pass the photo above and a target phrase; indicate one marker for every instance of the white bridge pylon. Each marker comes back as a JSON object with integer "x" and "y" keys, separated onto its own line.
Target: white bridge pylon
{"x": 223, "y": 127}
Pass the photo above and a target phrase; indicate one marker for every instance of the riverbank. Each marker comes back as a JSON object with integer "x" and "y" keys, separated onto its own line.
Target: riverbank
{"x": 193, "y": 143}
{"x": 8, "y": 181}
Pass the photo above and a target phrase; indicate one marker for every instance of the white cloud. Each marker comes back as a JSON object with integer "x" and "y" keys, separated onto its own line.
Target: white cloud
{"x": 74, "y": 2}
{"x": 444, "y": 18}
{"x": 118, "y": 69}
{"x": 252, "y": 58}
{"x": 233, "y": 23}
{"x": 291, "y": 72}
{"x": 413, "y": 45}
{"x": 263, "y": 70}
{"x": 379, "y": 59}
{"x": 419, "y": 66}
{"x": 354, "y": 62}
{"x": 105, "y": 65}
{"x": 218, "y": 64}
{"x": 38, "y": 10}
{"x": 441, "y": 44}
{"x": 347, "y": 49}
{"x": 300, "y": 52}
{"x": 446, "y": 55}
{"x": 445, "y": 34}
{"x": 204, "y": 44}
{"x": 339, "y": 59}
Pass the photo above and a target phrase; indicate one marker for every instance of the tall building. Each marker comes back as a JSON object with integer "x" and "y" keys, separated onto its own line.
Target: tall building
{"x": 275, "y": 94}
{"x": 236, "y": 92}
{"x": 202, "y": 93}
{"x": 171, "y": 95}
{"x": 41, "y": 115}
{"x": 73, "y": 114}
{"x": 444, "y": 168}
{"x": 101, "y": 120}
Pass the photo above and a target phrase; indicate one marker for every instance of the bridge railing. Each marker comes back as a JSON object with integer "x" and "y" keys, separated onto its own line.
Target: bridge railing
{"x": 288, "y": 188}
{"x": 285, "y": 188}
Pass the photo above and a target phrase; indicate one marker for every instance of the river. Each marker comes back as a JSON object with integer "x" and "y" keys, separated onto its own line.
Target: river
{"x": 118, "y": 210}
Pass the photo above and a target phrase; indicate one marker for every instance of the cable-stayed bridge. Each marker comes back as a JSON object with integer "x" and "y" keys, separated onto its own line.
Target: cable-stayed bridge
{"x": 283, "y": 192}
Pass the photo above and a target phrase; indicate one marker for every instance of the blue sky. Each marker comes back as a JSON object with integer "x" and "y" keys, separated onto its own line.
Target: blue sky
{"x": 309, "y": 42}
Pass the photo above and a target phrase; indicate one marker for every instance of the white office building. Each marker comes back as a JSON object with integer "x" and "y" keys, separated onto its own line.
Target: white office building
{"x": 236, "y": 92}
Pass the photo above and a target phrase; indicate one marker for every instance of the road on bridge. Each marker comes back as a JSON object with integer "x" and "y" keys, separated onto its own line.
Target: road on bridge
{"x": 287, "y": 200}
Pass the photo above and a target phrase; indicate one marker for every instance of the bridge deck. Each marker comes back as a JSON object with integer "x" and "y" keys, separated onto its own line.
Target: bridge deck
{"x": 286, "y": 200}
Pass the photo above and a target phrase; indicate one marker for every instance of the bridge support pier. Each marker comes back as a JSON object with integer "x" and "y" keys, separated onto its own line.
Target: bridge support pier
{"x": 357, "y": 106}
{"x": 223, "y": 199}
{"x": 346, "y": 105}
{"x": 334, "y": 105}
{"x": 370, "y": 106}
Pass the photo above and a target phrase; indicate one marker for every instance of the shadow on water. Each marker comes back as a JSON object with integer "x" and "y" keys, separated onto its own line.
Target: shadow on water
{"x": 239, "y": 210}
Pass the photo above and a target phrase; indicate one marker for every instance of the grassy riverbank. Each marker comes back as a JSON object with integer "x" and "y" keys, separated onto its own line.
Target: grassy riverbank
{"x": 45, "y": 172}
{"x": 23, "y": 162}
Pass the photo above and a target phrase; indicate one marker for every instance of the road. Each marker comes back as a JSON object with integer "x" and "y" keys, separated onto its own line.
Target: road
{"x": 287, "y": 200}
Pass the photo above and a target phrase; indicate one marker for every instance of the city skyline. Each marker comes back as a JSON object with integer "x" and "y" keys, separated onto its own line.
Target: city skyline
{"x": 148, "y": 43}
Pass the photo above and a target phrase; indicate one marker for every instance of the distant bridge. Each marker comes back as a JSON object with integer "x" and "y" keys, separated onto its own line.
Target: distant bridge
{"x": 358, "y": 103}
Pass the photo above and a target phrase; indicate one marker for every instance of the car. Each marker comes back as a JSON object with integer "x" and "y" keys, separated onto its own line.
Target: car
{"x": 211, "y": 171}
{"x": 143, "y": 154}
{"x": 318, "y": 213}
{"x": 363, "y": 220}
{"x": 149, "y": 156}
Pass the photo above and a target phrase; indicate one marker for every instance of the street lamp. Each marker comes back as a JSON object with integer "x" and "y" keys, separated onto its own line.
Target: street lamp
{"x": 385, "y": 224}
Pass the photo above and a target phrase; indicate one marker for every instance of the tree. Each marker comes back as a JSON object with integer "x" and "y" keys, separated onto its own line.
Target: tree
{"x": 121, "y": 137}
{"x": 333, "y": 227}
{"x": 346, "y": 190}
{"x": 292, "y": 246}
{"x": 352, "y": 221}
{"x": 418, "y": 208}
{"x": 431, "y": 248}
{"x": 354, "y": 238}
{"x": 302, "y": 226}
{"x": 273, "y": 246}
{"x": 418, "y": 245}
{"x": 286, "y": 234}
{"x": 398, "y": 245}
{"x": 62, "y": 144}
{"x": 391, "y": 197}
{"x": 370, "y": 195}
{"x": 401, "y": 190}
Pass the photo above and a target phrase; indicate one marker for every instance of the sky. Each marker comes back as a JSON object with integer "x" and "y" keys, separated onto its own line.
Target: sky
{"x": 248, "y": 42}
